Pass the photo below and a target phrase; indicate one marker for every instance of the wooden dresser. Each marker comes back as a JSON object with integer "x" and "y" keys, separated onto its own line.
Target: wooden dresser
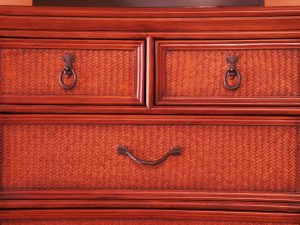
{"x": 149, "y": 116}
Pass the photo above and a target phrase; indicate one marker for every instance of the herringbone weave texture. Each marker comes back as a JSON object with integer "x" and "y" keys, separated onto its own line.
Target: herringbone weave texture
{"x": 36, "y": 71}
{"x": 237, "y": 158}
{"x": 264, "y": 73}
{"x": 132, "y": 222}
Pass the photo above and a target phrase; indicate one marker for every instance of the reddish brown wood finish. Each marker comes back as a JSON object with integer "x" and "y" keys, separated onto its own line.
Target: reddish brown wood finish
{"x": 156, "y": 110}
{"x": 149, "y": 32}
{"x": 175, "y": 86}
{"x": 287, "y": 202}
{"x": 272, "y": 202}
{"x": 146, "y": 119}
{"x": 144, "y": 24}
{"x": 263, "y": 19}
{"x": 237, "y": 13}
{"x": 150, "y": 72}
{"x": 151, "y": 214}
{"x": 149, "y": 195}
{"x": 151, "y": 204}
{"x": 36, "y": 95}
{"x": 213, "y": 35}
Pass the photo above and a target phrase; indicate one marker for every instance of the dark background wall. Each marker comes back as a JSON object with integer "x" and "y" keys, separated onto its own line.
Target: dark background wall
{"x": 148, "y": 3}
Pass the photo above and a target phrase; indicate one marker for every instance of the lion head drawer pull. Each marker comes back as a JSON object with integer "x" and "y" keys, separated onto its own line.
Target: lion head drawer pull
{"x": 68, "y": 71}
{"x": 123, "y": 150}
{"x": 232, "y": 72}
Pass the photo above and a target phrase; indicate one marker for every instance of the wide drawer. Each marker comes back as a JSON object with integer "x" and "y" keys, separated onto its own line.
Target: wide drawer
{"x": 104, "y": 72}
{"x": 236, "y": 72}
{"x": 218, "y": 154}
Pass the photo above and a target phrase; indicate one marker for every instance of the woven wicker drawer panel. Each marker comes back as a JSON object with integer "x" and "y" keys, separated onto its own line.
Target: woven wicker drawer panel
{"x": 100, "y": 72}
{"x": 224, "y": 157}
{"x": 132, "y": 222}
{"x": 107, "y": 71}
{"x": 196, "y": 70}
{"x": 265, "y": 73}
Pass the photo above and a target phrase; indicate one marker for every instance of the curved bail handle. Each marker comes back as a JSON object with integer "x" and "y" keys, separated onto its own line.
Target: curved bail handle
{"x": 68, "y": 71}
{"x": 232, "y": 72}
{"x": 123, "y": 150}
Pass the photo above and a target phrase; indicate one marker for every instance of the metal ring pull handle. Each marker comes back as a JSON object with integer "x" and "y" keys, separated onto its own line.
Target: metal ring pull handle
{"x": 123, "y": 150}
{"x": 232, "y": 72}
{"x": 68, "y": 71}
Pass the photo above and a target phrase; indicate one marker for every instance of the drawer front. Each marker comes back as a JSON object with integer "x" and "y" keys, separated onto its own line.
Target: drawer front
{"x": 80, "y": 153}
{"x": 193, "y": 72}
{"x": 108, "y": 72}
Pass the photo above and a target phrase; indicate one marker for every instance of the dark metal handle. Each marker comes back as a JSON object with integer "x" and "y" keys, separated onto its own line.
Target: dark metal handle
{"x": 232, "y": 72}
{"x": 123, "y": 150}
{"x": 68, "y": 71}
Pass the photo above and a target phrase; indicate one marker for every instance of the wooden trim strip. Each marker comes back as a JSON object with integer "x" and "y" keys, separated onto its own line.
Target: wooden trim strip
{"x": 151, "y": 24}
{"x": 75, "y": 99}
{"x": 193, "y": 101}
{"x": 232, "y": 35}
{"x": 151, "y": 204}
{"x": 149, "y": 195}
{"x": 150, "y": 214}
{"x": 163, "y": 45}
{"x": 150, "y": 74}
{"x": 145, "y": 119}
{"x": 155, "y": 35}
{"x": 79, "y": 34}
{"x": 217, "y": 110}
{"x": 167, "y": 110}
{"x": 140, "y": 76}
{"x": 71, "y": 44}
{"x": 88, "y": 109}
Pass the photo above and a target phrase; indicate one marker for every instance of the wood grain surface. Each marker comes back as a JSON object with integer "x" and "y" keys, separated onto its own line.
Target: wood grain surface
{"x": 150, "y": 79}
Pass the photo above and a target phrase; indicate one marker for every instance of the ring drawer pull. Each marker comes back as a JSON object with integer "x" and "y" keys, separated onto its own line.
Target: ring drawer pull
{"x": 123, "y": 150}
{"x": 232, "y": 72}
{"x": 68, "y": 71}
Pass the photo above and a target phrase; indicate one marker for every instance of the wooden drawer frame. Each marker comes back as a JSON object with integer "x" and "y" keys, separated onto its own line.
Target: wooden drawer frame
{"x": 281, "y": 202}
{"x": 137, "y": 45}
{"x": 162, "y": 46}
{"x": 150, "y": 25}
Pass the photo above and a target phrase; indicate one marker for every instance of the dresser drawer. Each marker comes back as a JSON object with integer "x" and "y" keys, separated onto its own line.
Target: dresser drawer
{"x": 104, "y": 72}
{"x": 232, "y": 72}
{"x": 83, "y": 152}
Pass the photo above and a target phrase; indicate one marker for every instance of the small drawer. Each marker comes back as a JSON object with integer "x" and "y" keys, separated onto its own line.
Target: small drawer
{"x": 236, "y": 73}
{"x": 100, "y": 72}
{"x": 212, "y": 154}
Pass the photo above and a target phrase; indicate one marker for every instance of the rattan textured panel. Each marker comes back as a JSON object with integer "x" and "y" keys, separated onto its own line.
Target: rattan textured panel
{"x": 101, "y": 72}
{"x": 215, "y": 157}
{"x": 264, "y": 73}
{"x": 132, "y": 222}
